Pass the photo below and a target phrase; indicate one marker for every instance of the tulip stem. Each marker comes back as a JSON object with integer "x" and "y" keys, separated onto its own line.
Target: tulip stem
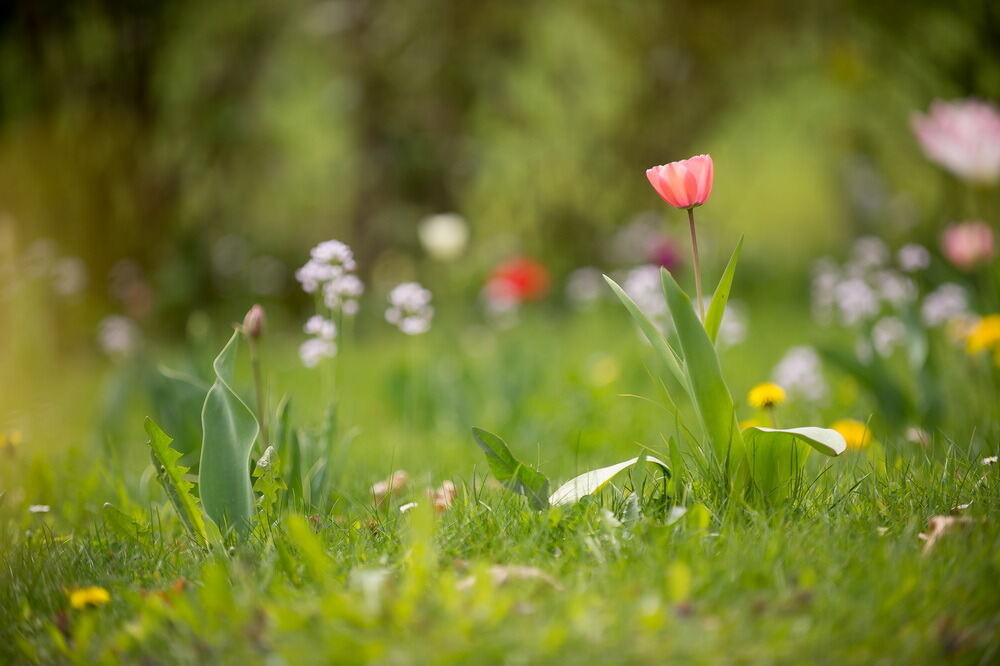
{"x": 697, "y": 264}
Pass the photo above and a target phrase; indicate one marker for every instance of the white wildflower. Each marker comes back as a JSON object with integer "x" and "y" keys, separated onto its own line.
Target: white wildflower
{"x": 444, "y": 236}
{"x": 895, "y": 288}
{"x": 584, "y": 285}
{"x": 410, "y": 308}
{"x": 913, "y": 257}
{"x": 39, "y": 508}
{"x": 887, "y": 334}
{"x": 69, "y": 276}
{"x": 856, "y": 301}
{"x": 314, "y": 350}
{"x": 334, "y": 253}
{"x": 118, "y": 336}
{"x": 870, "y": 252}
{"x": 945, "y": 303}
{"x": 642, "y": 284}
{"x": 321, "y": 327}
{"x": 342, "y": 293}
{"x": 800, "y": 373}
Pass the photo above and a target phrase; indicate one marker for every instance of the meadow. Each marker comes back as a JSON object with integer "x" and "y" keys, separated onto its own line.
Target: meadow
{"x": 342, "y": 332}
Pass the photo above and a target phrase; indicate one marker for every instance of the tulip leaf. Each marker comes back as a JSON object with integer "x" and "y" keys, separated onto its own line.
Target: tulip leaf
{"x": 709, "y": 392}
{"x": 508, "y": 470}
{"x": 652, "y": 333}
{"x": 826, "y": 441}
{"x": 171, "y": 477}
{"x": 592, "y": 482}
{"x": 178, "y": 399}
{"x": 777, "y": 456}
{"x": 717, "y": 307}
{"x": 229, "y": 429}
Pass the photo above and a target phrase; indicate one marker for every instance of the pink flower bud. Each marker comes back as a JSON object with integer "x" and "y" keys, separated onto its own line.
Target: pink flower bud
{"x": 683, "y": 184}
{"x": 968, "y": 244}
{"x": 253, "y": 322}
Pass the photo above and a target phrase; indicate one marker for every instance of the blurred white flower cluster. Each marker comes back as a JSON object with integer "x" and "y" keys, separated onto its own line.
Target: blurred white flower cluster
{"x": 330, "y": 273}
{"x": 444, "y": 236}
{"x": 410, "y": 308}
{"x": 800, "y": 373}
{"x": 871, "y": 293}
{"x": 331, "y": 268}
{"x": 643, "y": 285}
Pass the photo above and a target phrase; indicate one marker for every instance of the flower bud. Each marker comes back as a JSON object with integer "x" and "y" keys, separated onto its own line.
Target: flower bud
{"x": 253, "y": 323}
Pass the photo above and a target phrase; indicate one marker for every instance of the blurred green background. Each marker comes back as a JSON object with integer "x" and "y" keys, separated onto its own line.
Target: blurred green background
{"x": 194, "y": 151}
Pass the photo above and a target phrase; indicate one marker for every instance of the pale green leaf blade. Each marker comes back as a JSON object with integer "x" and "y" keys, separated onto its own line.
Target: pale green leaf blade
{"x": 717, "y": 307}
{"x": 508, "y": 470}
{"x": 826, "y": 441}
{"x": 648, "y": 328}
{"x": 709, "y": 392}
{"x": 229, "y": 429}
{"x": 592, "y": 482}
{"x": 171, "y": 477}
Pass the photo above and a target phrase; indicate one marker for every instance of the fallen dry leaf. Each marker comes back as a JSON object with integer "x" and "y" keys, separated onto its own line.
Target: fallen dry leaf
{"x": 938, "y": 526}
{"x": 391, "y": 486}
{"x": 502, "y": 574}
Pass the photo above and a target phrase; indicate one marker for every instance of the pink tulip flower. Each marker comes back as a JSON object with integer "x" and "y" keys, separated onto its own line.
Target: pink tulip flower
{"x": 683, "y": 184}
{"x": 968, "y": 244}
{"x": 962, "y": 136}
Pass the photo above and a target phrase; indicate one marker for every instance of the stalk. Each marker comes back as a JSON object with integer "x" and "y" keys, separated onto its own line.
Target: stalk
{"x": 696, "y": 263}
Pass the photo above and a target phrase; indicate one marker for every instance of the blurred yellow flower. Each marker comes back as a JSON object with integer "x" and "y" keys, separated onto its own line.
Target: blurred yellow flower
{"x": 985, "y": 334}
{"x": 10, "y": 440}
{"x": 88, "y": 597}
{"x": 855, "y": 433}
{"x": 766, "y": 395}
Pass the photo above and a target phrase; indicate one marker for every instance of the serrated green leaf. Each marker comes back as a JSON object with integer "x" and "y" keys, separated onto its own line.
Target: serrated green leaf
{"x": 513, "y": 474}
{"x": 171, "y": 477}
{"x": 717, "y": 307}
{"x": 229, "y": 429}
{"x": 120, "y": 523}
{"x": 592, "y": 482}
{"x": 269, "y": 483}
{"x": 709, "y": 392}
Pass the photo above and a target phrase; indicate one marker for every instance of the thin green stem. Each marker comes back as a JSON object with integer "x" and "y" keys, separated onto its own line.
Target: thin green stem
{"x": 697, "y": 264}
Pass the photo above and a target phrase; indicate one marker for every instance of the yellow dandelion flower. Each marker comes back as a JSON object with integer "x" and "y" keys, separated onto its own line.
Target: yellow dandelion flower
{"x": 855, "y": 433}
{"x": 10, "y": 440}
{"x": 766, "y": 395}
{"x": 88, "y": 597}
{"x": 985, "y": 334}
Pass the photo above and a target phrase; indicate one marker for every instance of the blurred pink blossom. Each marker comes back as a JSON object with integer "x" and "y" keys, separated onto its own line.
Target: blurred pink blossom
{"x": 968, "y": 244}
{"x": 963, "y": 136}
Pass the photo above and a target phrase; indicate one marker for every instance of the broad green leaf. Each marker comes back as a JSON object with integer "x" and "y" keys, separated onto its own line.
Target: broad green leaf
{"x": 778, "y": 456}
{"x": 717, "y": 307}
{"x": 711, "y": 397}
{"x": 826, "y": 441}
{"x": 648, "y": 328}
{"x": 229, "y": 429}
{"x": 171, "y": 477}
{"x": 592, "y": 482}
{"x": 513, "y": 474}
{"x": 178, "y": 400}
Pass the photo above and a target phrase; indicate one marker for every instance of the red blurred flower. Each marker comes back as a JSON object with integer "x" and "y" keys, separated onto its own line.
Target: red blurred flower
{"x": 517, "y": 280}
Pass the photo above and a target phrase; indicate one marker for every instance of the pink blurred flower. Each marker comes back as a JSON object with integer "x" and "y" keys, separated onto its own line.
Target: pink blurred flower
{"x": 517, "y": 280}
{"x": 664, "y": 253}
{"x": 968, "y": 244}
{"x": 962, "y": 136}
{"x": 683, "y": 184}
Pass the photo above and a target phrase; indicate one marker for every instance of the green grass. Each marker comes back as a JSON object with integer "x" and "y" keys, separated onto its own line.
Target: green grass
{"x": 839, "y": 576}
